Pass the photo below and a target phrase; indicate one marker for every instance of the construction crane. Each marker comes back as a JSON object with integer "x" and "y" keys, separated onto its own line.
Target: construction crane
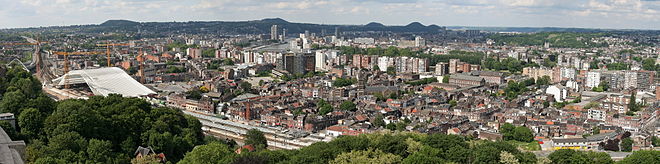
{"x": 107, "y": 49}
{"x": 37, "y": 45}
{"x": 140, "y": 59}
{"x": 66, "y": 57}
{"x": 66, "y": 62}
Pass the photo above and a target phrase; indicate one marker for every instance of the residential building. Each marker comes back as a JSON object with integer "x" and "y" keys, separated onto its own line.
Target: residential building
{"x": 420, "y": 42}
{"x": 559, "y": 92}
{"x": 492, "y": 77}
{"x": 596, "y": 114}
{"x": 194, "y": 53}
{"x": 593, "y": 79}
{"x": 453, "y": 64}
{"x": 273, "y": 32}
{"x": 537, "y": 73}
{"x": 442, "y": 68}
{"x": 645, "y": 79}
{"x": 466, "y": 80}
{"x": 296, "y": 63}
{"x": 630, "y": 80}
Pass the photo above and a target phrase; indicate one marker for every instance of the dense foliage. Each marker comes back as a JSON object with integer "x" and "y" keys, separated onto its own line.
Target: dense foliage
{"x": 617, "y": 66}
{"x": 380, "y": 148}
{"x": 342, "y": 82}
{"x": 98, "y": 130}
{"x": 567, "y": 156}
{"x": 509, "y": 64}
{"x": 520, "y": 133}
{"x": 256, "y": 138}
{"x": 513, "y": 89}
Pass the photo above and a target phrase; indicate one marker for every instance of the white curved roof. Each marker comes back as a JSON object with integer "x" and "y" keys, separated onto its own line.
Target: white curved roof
{"x": 105, "y": 81}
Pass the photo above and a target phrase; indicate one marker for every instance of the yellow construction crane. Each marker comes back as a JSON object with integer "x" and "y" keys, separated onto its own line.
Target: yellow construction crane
{"x": 37, "y": 44}
{"x": 107, "y": 49}
{"x": 66, "y": 61}
{"x": 66, "y": 57}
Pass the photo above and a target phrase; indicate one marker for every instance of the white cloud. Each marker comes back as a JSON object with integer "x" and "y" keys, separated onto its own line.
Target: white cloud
{"x": 573, "y": 13}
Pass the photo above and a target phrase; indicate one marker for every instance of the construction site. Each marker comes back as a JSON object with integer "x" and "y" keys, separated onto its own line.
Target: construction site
{"x": 80, "y": 74}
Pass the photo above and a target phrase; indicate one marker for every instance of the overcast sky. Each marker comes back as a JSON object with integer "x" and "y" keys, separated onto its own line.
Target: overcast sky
{"x": 617, "y": 14}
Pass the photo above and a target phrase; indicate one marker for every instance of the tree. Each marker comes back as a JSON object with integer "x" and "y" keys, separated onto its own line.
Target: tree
{"x": 543, "y": 160}
{"x": 10, "y": 130}
{"x": 228, "y": 61}
{"x": 649, "y": 64}
{"x": 626, "y": 144}
{"x": 256, "y": 138}
{"x": 342, "y": 82}
{"x": 599, "y": 157}
{"x": 348, "y": 106}
{"x": 413, "y": 146}
{"x": 486, "y": 155}
{"x": 453, "y": 103}
{"x": 391, "y": 71}
{"x": 375, "y": 68}
{"x": 443, "y": 141}
{"x": 523, "y": 134}
{"x": 632, "y": 103}
{"x": 99, "y": 151}
{"x": 378, "y": 121}
{"x": 31, "y": 122}
{"x": 595, "y": 130}
{"x": 427, "y": 155}
{"x": 611, "y": 145}
{"x": 507, "y": 131}
{"x": 214, "y": 152}
{"x": 445, "y": 79}
{"x": 567, "y": 156}
{"x": 366, "y": 156}
{"x": 508, "y": 158}
{"x": 642, "y": 156}
{"x": 12, "y": 101}
{"x": 324, "y": 107}
{"x": 323, "y": 110}
{"x": 247, "y": 87}
{"x": 458, "y": 154}
{"x": 545, "y": 80}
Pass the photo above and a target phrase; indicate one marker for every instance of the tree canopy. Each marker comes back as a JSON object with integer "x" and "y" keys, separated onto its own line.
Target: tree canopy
{"x": 256, "y": 138}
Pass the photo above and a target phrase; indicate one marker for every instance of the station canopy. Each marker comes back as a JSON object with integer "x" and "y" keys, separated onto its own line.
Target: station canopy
{"x": 105, "y": 81}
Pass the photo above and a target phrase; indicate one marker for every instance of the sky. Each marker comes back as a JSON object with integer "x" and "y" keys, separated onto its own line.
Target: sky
{"x": 606, "y": 14}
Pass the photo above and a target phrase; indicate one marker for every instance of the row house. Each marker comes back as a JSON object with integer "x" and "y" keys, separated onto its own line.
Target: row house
{"x": 466, "y": 81}
{"x": 204, "y": 105}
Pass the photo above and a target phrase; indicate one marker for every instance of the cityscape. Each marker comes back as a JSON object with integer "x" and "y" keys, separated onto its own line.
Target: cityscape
{"x": 271, "y": 90}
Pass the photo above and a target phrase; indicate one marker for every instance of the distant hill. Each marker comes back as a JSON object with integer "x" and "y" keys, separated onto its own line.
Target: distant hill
{"x": 119, "y": 23}
{"x": 263, "y": 27}
{"x": 375, "y": 24}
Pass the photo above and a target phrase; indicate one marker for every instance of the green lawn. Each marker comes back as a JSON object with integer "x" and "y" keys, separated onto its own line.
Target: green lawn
{"x": 531, "y": 146}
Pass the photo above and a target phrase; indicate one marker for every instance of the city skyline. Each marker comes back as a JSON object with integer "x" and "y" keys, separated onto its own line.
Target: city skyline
{"x": 603, "y": 14}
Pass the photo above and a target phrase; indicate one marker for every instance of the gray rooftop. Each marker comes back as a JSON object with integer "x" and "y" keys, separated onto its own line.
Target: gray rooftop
{"x": 466, "y": 77}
